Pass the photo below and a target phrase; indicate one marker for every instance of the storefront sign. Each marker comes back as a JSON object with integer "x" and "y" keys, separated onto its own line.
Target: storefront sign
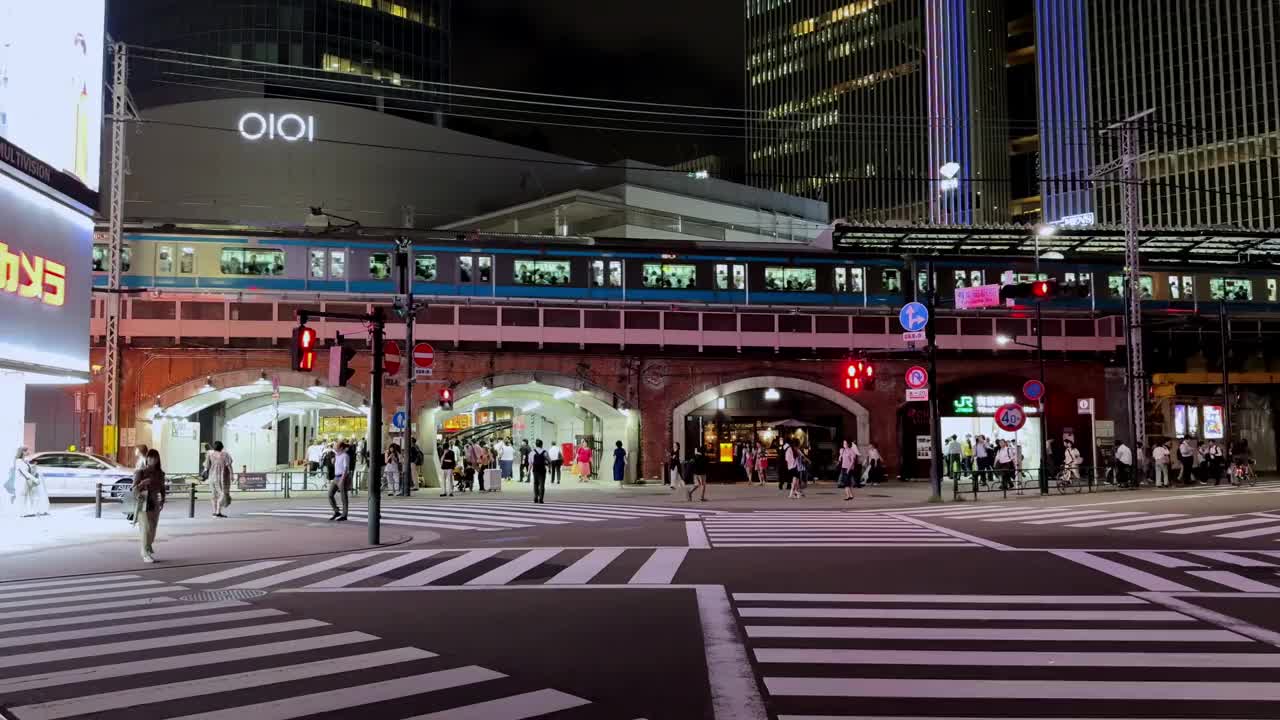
{"x": 289, "y": 127}
{"x": 981, "y": 296}
{"x": 253, "y": 481}
{"x": 31, "y": 276}
{"x": 980, "y": 404}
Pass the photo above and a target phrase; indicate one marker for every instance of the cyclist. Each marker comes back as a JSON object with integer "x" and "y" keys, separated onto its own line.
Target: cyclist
{"x": 1071, "y": 461}
{"x": 1241, "y": 461}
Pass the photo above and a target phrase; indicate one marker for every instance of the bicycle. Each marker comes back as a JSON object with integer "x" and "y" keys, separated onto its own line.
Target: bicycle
{"x": 1069, "y": 479}
{"x": 1242, "y": 474}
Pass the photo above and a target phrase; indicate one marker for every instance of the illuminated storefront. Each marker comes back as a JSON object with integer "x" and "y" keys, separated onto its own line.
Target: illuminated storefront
{"x": 973, "y": 414}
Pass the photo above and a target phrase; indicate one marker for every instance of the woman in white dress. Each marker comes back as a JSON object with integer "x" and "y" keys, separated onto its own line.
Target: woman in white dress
{"x": 30, "y": 496}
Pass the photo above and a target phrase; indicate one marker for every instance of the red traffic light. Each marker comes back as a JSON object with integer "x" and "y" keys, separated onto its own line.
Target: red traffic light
{"x": 1040, "y": 288}
{"x": 303, "y": 351}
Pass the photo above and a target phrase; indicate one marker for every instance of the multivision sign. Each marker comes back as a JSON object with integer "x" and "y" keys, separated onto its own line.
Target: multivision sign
{"x": 289, "y": 127}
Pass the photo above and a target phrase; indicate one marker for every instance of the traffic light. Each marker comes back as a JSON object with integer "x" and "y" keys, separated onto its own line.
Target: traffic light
{"x": 302, "y": 350}
{"x": 446, "y": 398}
{"x": 859, "y": 374}
{"x": 1034, "y": 290}
{"x": 340, "y": 357}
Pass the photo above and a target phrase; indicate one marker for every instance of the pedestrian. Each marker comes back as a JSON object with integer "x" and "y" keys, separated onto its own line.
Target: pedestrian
{"x": 315, "y": 452}
{"x": 848, "y": 467}
{"x": 410, "y": 480}
{"x": 1071, "y": 462}
{"x": 1004, "y": 463}
{"x": 523, "y": 456}
{"x": 1186, "y": 458}
{"x": 1050, "y": 459}
{"x": 538, "y": 462}
{"x": 791, "y": 462}
{"x": 554, "y": 462}
{"x": 1216, "y": 461}
{"x": 341, "y": 481}
{"x": 982, "y": 459}
{"x": 218, "y": 469}
{"x": 448, "y": 461}
{"x": 351, "y": 462}
{"x": 584, "y": 462}
{"x": 748, "y": 458}
{"x": 1202, "y": 463}
{"x": 1160, "y": 458}
{"x": 149, "y": 493}
{"x": 391, "y": 470}
{"x": 506, "y": 459}
{"x": 1124, "y": 465}
{"x": 699, "y": 475}
{"x": 619, "y": 462}
{"x": 797, "y": 475}
{"x": 1142, "y": 466}
{"x": 875, "y": 465}
{"x": 952, "y": 458}
{"x": 140, "y": 457}
{"x": 30, "y": 496}
{"x": 675, "y": 469}
{"x": 966, "y": 455}
{"x": 762, "y": 463}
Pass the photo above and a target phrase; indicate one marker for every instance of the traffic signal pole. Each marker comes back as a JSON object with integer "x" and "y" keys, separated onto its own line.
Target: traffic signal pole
{"x": 935, "y": 407}
{"x": 410, "y": 319}
{"x": 1044, "y": 421}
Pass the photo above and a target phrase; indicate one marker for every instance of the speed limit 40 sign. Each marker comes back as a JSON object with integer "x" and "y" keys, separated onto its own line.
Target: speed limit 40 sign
{"x": 1011, "y": 417}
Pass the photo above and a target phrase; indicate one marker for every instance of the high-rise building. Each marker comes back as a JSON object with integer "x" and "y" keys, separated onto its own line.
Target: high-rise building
{"x": 886, "y": 109}
{"x": 344, "y": 50}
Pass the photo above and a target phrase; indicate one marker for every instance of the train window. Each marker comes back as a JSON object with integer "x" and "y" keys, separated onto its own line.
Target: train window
{"x": 424, "y": 267}
{"x": 379, "y": 266}
{"x": 669, "y": 276}
{"x": 465, "y": 264}
{"x": 1271, "y": 290}
{"x": 316, "y": 265}
{"x": 337, "y": 264}
{"x": 1238, "y": 289}
{"x": 542, "y": 272}
{"x": 100, "y": 253}
{"x": 1115, "y": 286}
{"x": 1077, "y": 279}
{"x": 239, "y": 261}
{"x": 164, "y": 259}
{"x": 731, "y": 277}
{"x": 967, "y": 278}
{"x": 1181, "y": 287}
{"x": 187, "y": 261}
{"x": 598, "y": 277}
{"x": 848, "y": 280}
{"x": 1031, "y": 277}
{"x": 891, "y": 280}
{"x": 793, "y": 279}
{"x": 486, "y": 266}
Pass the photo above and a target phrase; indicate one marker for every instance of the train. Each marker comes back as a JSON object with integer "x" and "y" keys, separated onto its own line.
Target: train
{"x": 550, "y": 268}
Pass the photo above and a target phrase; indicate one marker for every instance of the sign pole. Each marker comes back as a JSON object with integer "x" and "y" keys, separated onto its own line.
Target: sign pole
{"x": 935, "y": 409}
{"x": 1044, "y": 420}
{"x": 410, "y": 319}
{"x": 375, "y": 432}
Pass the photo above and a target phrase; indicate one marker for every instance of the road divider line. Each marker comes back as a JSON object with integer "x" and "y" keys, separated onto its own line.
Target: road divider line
{"x": 1077, "y": 516}
{"x": 122, "y": 629}
{"x": 5, "y": 587}
{"x": 151, "y": 610}
{"x": 517, "y": 707}
{"x": 734, "y": 693}
{"x": 1257, "y": 532}
{"x": 48, "y": 593}
{"x": 1134, "y": 576}
{"x": 45, "y": 612}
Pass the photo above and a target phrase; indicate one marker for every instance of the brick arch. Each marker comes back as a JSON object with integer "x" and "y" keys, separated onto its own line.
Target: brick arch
{"x": 781, "y": 382}
{"x": 246, "y": 381}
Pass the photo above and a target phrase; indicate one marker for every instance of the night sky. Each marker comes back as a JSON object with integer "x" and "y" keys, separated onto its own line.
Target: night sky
{"x": 666, "y": 51}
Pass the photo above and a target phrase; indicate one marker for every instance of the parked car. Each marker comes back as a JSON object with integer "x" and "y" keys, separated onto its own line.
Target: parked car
{"x": 76, "y": 475}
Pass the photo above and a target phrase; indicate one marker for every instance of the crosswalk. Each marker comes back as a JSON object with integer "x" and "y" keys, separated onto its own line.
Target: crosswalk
{"x": 1260, "y": 486}
{"x": 1234, "y": 527}
{"x": 471, "y": 567}
{"x": 1031, "y": 657}
{"x": 494, "y": 516}
{"x": 121, "y": 646}
{"x": 1238, "y": 571}
{"x": 823, "y": 528}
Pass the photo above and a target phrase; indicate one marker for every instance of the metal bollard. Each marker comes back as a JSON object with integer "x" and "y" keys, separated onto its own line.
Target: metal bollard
{"x": 191, "y": 508}
{"x": 97, "y": 501}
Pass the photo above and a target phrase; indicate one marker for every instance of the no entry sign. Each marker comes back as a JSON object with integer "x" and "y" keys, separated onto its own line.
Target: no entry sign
{"x": 391, "y": 357}
{"x": 424, "y": 356}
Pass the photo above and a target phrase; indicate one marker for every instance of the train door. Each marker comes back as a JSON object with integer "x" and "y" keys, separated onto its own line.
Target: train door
{"x": 606, "y": 279}
{"x": 175, "y": 265}
{"x": 326, "y": 269}
{"x": 731, "y": 282}
{"x": 475, "y": 275}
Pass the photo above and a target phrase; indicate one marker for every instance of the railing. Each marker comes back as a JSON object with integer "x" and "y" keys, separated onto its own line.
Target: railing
{"x": 1026, "y": 481}
{"x": 277, "y": 483}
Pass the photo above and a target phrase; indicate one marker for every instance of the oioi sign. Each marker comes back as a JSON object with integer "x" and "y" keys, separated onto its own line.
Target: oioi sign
{"x": 289, "y": 127}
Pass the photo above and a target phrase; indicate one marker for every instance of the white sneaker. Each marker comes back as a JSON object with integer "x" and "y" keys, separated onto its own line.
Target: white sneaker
{"x": 148, "y": 559}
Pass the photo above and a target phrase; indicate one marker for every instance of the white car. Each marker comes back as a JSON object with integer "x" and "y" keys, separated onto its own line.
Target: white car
{"x": 76, "y": 475}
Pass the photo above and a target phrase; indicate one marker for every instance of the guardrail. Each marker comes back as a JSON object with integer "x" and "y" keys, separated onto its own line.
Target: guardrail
{"x": 279, "y": 483}
{"x": 1025, "y": 481}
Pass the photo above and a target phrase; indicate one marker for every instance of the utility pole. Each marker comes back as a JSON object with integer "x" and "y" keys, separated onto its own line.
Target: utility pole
{"x": 935, "y": 407}
{"x": 120, "y": 107}
{"x": 404, "y": 261}
{"x": 1224, "y": 337}
{"x": 1044, "y": 421}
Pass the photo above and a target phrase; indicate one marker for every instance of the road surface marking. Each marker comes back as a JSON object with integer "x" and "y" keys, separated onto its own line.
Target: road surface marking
{"x": 1231, "y": 558}
{"x": 43, "y": 612}
{"x": 964, "y": 614}
{"x": 22, "y": 604}
{"x": 1023, "y": 689}
{"x": 151, "y": 610}
{"x": 176, "y": 662}
{"x": 1077, "y": 516}
{"x": 1144, "y": 580}
{"x": 462, "y": 513}
{"x": 123, "y": 629}
{"x": 957, "y": 534}
{"x": 1220, "y": 526}
{"x": 5, "y": 587}
{"x": 376, "y": 569}
{"x": 696, "y": 534}
{"x": 304, "y": 571}
{"x": 154, "y": 643}
{"x": 587, "y": 567}
{"x": 1018, "y": 658}
{"x": 660, "y": 568}
{"x": 1169, "y": 523}
{"x": 1234, "y": 581}
{"x": 734, "y": 692}
{"x": 1106, "y": 635}
{"x": 353, "y": 697}
{"x": 965, "y": 599}
{"x": 213, "y": 685}
{"x": 1116, "y": 520}
{"x": 1035, "y": 515}
{"x": 387, "y": 519}
{"x": 1258, "y": 532}
{"x": 48, "y": 592}
{"x": 516, "y": 707}
{"x": 1214, "y": 617}
{"x": 236, "y": 572}
{"x": 444, "y": 569}
{"x": 904, "y": 544}
{"x": 513, "y": 569}
{"x": 1161, "y": 559}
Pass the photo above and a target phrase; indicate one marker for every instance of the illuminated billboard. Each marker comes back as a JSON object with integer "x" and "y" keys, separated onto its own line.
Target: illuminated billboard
{"x": 51, "y": 93}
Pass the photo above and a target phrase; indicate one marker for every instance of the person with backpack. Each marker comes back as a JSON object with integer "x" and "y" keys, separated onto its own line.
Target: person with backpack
{"x": 448, "y": 461}
{"x": 410, "y": 479}
{"x": 537, "y": 459}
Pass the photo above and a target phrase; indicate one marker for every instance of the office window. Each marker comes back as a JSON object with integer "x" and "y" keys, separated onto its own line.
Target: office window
{"x": 424, "y": 267}
{"x": 606, "y": 275}
{"x": 164, "y": 259}
{"x": 1231, "y": 289}
{"x": 315, "y": 264}
{"x": 465, "y": 264}
{"x": 891, "y": 280}
{"x": 241, "y": 261}
{"x": 790, "y": 279}
{"x": 380, "y": 265}
{"x": 187, "y": 261}
{"x": 731, "y": 277}
{"x": 1115, "y": 286}
{"x": 669, "y": 276}
{"x": 100, "y": 253}
{"x": 337, "y": 264}
{"x": 542, "y": 272}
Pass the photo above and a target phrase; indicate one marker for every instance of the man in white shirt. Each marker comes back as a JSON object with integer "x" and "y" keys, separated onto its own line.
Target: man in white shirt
{"x": 554, "y": 462}
{"x": 1160, "y": 456}
{"x": 341, "y": 482}
{"x": 1124, "y": 465}
{"x": 1186, "y": 456}
{"x": 314, "y": 453}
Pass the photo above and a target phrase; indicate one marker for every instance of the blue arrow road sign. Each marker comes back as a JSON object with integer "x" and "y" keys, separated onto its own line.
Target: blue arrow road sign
{"x": 397, "y": 420}
{"x": 913, "y": 317}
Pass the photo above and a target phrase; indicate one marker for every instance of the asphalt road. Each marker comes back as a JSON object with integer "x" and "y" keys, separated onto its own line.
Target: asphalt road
{"x": 1035, "y": 608}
